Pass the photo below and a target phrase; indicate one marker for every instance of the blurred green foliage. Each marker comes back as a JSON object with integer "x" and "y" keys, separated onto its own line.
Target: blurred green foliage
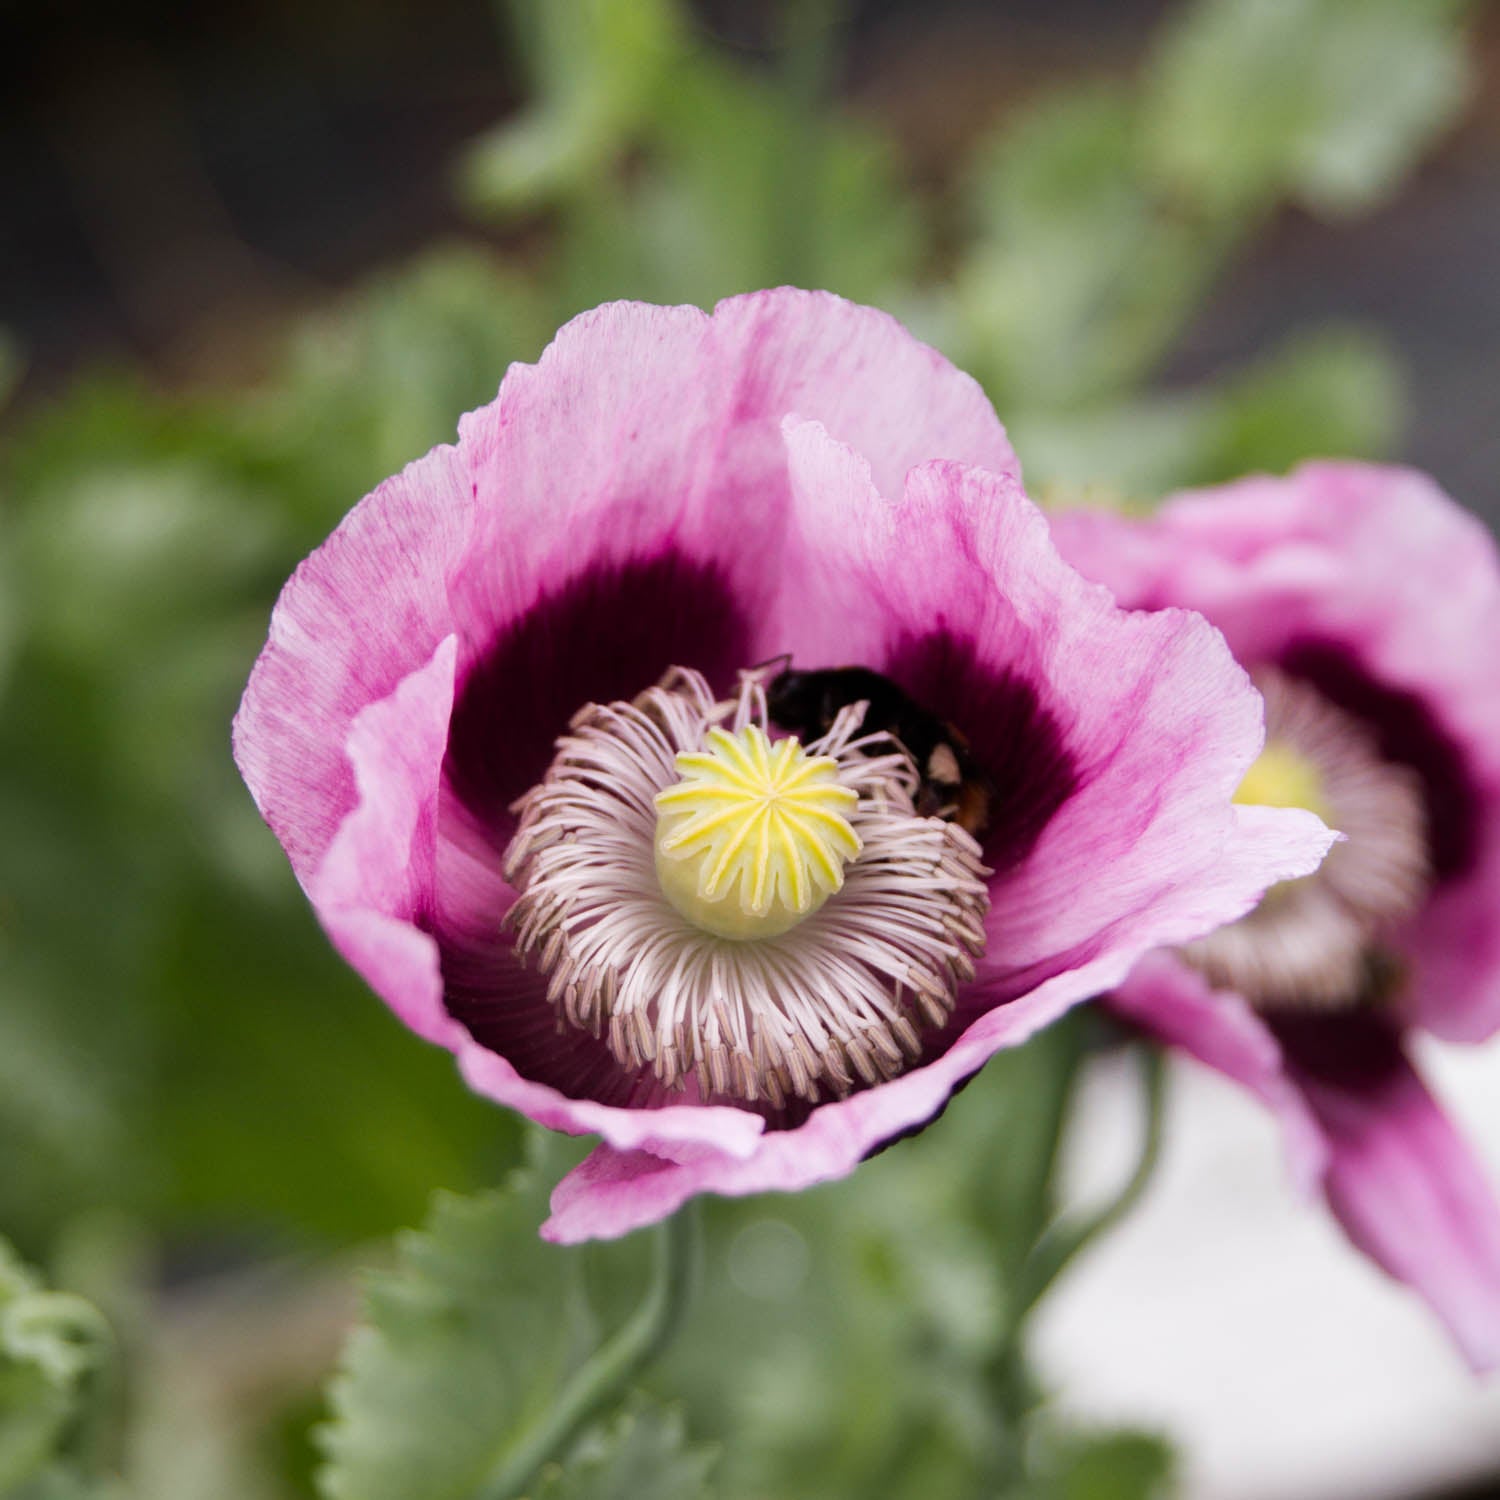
{"x": 178, "y": 1046}
{"x": 1104, "y": 218}
{"x": 1327, "y": 103}
{"x": 177, "y": 1039}
{"x": 1108, "y": 1466}
{"x": 468, "y": 1342}
{"x": 56, "y": 1366}
{"x": 642, "y": 1451}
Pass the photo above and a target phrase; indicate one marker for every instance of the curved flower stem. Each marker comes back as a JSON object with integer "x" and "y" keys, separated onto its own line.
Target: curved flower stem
{"x": 1054, "y": 1247}
{"x": 1062, "y": 1050}
{"x": 640, "y": 1339}
{"x": 1055, "y": 1250}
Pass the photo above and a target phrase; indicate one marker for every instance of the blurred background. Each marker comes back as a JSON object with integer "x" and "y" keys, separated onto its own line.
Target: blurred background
{"x": 258, "y": 255}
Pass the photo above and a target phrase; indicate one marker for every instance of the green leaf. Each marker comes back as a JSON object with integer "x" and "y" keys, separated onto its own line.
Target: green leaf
{"x": 55, "y": 1350}
{"x": 1326, "y": 392}
{"x": 596, "y": 65}
{"x": 378, "y": 378}
{"x": 864, "y": 1319}
{"x": 778, "y": 196}
{"x": 1113, "y": 453}
{"x": 1331, "y": 392}
{"x": 1326, "y": 101}
{"x": 641, "y": 1454}
{"x": 845, "y": 1334}
{"x": 466, "y": 1344}
{"x": 1082, "y": 273}
{"x": 1111, "y": 1466}
{"x": 64, "y": 1484}
{"x": 734, "y": 192}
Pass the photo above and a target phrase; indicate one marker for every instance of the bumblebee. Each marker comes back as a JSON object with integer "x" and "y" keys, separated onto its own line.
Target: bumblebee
{"x": 951, "y": 783}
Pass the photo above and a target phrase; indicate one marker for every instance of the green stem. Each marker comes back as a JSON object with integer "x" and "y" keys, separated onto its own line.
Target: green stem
{"x": 643, "y": 1336}
{"x": 1053, "y": 1246}
{"x": 1057, "y": 1055}
{"x": 1056, "y": 1249}
{"x": 1060, "y": 1052}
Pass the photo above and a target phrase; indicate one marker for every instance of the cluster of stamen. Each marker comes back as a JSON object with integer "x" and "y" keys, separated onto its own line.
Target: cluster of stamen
{"x": 822, "y": 995}
{"x": 1316, "y": 943}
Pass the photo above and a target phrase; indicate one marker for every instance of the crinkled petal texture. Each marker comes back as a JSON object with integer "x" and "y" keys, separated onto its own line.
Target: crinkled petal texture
{"x": 793, "y": 473}
{"x": 1372, "y": 585}
{"x": 1406, "y": 1187}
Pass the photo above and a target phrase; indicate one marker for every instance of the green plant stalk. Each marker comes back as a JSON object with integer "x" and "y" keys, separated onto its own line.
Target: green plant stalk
{"x": 605, "y": 1374}
{"x": 1066, "y": 1043}
{"x": 1061, "y": 1242}
{"x": 1061, "y": 1050}
{"x": 1053, "y": 1244}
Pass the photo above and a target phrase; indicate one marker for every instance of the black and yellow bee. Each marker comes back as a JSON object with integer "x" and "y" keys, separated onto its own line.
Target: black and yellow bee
{"x": 951, "y": 783}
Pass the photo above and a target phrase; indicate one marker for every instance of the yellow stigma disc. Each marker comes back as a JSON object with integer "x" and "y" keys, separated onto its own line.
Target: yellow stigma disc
{"x": 1283, "y": 777}
{"x": 755, "y": 836}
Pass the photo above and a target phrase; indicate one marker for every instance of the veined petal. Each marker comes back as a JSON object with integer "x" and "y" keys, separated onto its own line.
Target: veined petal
{"x": 375, "y": 884}
{"x": 640, "y": 422}
{"x": 1175, "y": 1004}
{"x": 1402, "y": 1181}
{"x": 368, "y": 607}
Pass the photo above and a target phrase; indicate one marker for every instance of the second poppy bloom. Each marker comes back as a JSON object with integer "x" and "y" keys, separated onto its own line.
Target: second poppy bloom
{"x": 1366, "y": 605}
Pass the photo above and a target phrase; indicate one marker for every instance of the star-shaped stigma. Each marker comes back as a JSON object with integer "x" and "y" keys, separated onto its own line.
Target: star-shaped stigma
{"x": 755, "y": 836}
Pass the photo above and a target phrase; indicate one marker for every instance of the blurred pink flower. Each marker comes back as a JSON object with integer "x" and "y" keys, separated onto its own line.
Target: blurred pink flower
{"x": 1366, "y": 605}
{"x": 667, "y": 489}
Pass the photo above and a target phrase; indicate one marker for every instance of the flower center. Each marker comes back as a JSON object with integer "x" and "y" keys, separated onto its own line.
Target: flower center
{"x": 1317, "y": 943}
{"x": 754, "y": 837}
{"x": 752, "y": 918}
{"x": 1283, "y": 777}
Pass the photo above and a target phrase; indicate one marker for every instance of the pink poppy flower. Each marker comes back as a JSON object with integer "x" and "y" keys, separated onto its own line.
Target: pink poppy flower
{"x": 510, "y": 730}
{"x": 1366, "y": 606}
